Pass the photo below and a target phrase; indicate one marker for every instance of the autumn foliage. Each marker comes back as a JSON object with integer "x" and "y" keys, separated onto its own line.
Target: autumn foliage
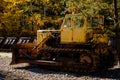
{"x": 25, "y": 17}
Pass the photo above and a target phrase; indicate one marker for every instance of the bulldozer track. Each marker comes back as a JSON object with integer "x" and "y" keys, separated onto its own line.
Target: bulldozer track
{"x": 72, "y": 66}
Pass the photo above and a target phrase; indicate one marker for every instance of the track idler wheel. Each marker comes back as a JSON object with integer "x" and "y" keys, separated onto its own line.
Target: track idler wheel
{"x": 86, "y": 60}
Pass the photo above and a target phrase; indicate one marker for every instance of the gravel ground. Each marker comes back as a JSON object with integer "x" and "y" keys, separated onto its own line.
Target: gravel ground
{"x": 26, "y": 72}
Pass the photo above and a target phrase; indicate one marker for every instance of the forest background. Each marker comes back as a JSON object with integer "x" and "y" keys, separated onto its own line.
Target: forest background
{"x": 25, "y": 17}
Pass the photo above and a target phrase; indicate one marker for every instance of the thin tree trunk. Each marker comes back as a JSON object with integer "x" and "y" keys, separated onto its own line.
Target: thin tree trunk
{"x": 116, "y": 31}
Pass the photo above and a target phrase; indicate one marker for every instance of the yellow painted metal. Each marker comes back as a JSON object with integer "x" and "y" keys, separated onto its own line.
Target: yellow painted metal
{"x": 72, "y": 32}
{"x": 66, "y": 31}
{"x": 79, "y": 31}
{"x": 42, "y": 37}
{"x": 79, "y": 35}
{"x": 66, "y": 35}
{"x": 84, "y": 30}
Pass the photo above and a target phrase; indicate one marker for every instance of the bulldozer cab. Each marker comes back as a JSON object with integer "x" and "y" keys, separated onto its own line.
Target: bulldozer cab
{"x": 79, "y": 29}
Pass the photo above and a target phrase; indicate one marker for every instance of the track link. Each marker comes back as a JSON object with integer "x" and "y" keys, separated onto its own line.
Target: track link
{"x": 72, "y": 63}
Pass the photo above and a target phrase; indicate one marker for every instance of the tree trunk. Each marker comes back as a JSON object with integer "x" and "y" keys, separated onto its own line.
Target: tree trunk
{"x": 116, "y": 30}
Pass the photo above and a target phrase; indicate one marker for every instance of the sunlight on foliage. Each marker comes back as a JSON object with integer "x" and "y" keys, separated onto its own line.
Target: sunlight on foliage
{"x": 84, "y": 7}
{"x": 18, "y": 16}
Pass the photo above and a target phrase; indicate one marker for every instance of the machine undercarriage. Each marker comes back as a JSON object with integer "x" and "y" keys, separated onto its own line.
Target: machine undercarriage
{"x": 76, "y": 59}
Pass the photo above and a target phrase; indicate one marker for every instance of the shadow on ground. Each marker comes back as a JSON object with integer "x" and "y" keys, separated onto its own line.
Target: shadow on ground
{"x": 109, "y": 74}
{"x": 2, "y": 76}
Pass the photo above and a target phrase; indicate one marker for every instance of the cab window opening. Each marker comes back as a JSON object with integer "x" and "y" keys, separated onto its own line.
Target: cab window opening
{"x": 101, "y": 21}
{"x": 94, "y": 21}
{"x": 67, "y": 22}
{"x": 79, "y": 22}
{"x": 88, "y": 21}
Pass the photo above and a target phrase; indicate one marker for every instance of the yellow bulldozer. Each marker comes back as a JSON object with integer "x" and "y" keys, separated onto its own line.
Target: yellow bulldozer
{"x": 80, "y": 45}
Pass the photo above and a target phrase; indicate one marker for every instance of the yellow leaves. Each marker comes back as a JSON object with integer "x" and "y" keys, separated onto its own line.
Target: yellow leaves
{"x": 84, "y": 7}
{"x": 7, "y": 14}
{"x": 45, "y": 1}
{"x": 56, "y": 6}
{"x": 14, "y": 1}
{"x": 13, "y": 4}
{"x": 37, "y": 20}
{"x": 12, "y": 10}
{"x": 27, "y": 0}
{"x": 69, "y": 4}
{"x": 8, "y": 0}
{"x": 12, "y": 14}
{"x": 37, "y": 16}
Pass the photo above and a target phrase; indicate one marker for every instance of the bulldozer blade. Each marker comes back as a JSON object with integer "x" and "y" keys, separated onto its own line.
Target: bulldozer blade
{"x": 21, "y": 52}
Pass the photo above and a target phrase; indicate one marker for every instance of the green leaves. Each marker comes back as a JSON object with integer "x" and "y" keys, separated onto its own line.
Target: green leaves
{"x": 30, "y": 15}
{"x": 89, "y": 7}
